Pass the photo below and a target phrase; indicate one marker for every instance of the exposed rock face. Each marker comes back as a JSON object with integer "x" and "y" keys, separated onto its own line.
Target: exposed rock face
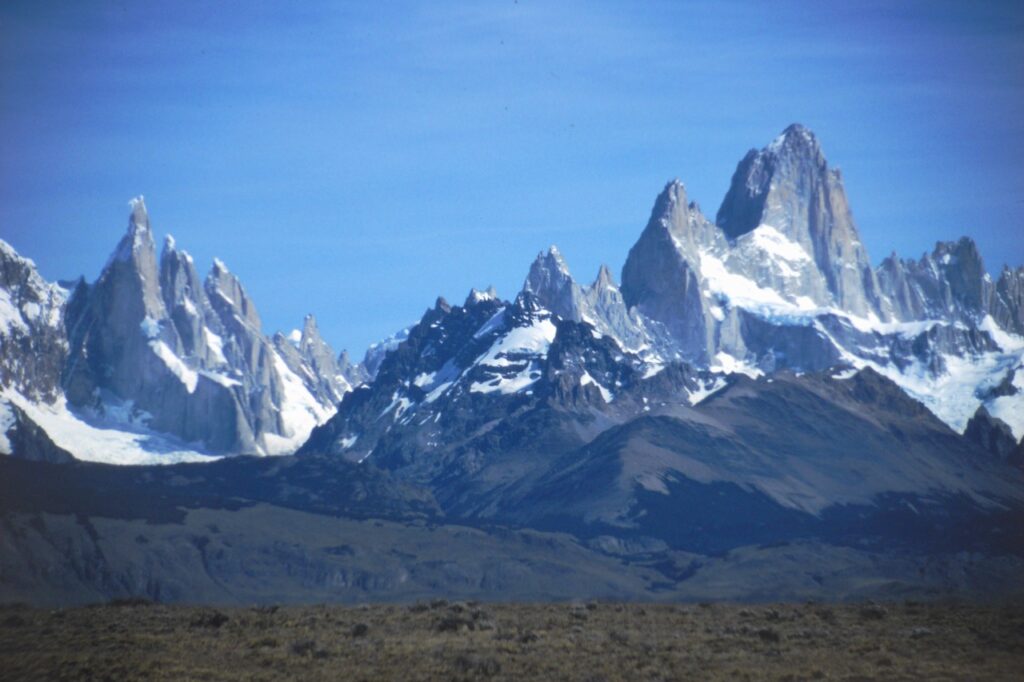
{"x": 786, "y": 247}
{"x": 789, "y": 186}
{"x": 125, "y": 343}
{"x": 549, "y": 280}
{"x": 189, "y": 309}
{"x": 109, "y": 345}
{"x": 951, "y": 283}
{"x": 509, "y": 413}
{"x": 662, "y": 278}
{"x": 23, "y": 438}
{"x": 782, "y": 282}
{"x": 948, "y": 284}
{"x": 320, "y": 359}
{"x": 480, "y": 398}
{"x": 601, "y": 304}
{"x": 312, "y": 359}
{"x": 1008, "y": 303}
{"x": 607, "y": 311}
{"x": 33, "y": 344}
{"x": 353, "y": 372}
{"x": 992, "y": 435}
{"x": 188, "y": 357}
{"x": 752, "y": 382}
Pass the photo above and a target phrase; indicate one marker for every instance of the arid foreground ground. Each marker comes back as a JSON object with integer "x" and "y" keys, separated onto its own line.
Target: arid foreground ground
{"x": 581, "y": 641}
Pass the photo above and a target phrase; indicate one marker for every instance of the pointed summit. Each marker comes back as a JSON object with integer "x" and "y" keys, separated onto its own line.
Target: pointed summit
{"x": 190, "y": 353}
{"x": 797, "y": 141}
{"x": 672, "y": 197}
{"x": 139, "y": 216}
{"x": 310, "y": 331}
{"x": 550, "y": 281}
{"x": 963, "y": 285}
{"x": 547, "y": 267}
{"x": 312, "y": 360}
{"x": 661, "y": 274}
{"x": 788, "y": 185}
{"x": 789, "y": 171}
{"x": 132, "y": 265}
{"x": 476, "y": 296}
{"x": 604, "y": 280}
{"x": 678, "y": 222}
{"x": 228, "y": 297}
{"x": 179, "y": 280}
{"x": 137, "y": 243}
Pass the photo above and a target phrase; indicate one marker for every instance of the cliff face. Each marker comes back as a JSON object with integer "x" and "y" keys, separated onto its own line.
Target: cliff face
{"x": 33, "y": 340}
{"x": 187, "y": 357}
{"x": 789, "y": 186}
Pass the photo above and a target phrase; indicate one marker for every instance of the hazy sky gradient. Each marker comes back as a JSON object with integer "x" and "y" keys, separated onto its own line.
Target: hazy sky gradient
{"x": 357, "y": 161}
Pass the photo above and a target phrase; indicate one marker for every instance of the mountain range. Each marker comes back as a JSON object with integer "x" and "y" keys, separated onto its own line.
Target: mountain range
{"x": 753, "y": 398}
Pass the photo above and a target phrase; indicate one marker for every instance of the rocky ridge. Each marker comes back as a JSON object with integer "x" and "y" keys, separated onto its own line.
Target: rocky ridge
{"x": 779, "y": 282}
{"x": 752, "y": 395}
{"x": 152, "y": 358}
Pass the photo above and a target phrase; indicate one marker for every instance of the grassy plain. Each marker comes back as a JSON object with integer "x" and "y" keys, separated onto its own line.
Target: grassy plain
{"x": 443, "y": 640}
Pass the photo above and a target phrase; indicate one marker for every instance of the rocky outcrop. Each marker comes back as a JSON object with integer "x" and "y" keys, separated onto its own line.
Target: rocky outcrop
{"x": 23, "y": 438}
{"x": 313, "y": 360}
{"x": 781, "y": 282}
{"x": 993, "y": 436}
{"x": 950, "y": 283}
{"x": 188, "y": 356}
{"x": 125, "y": 343}
{"x": 662, "y": 279}
{"x": 601, "y": 304}
{"x": 785, "y": 246}
{"x": 550, "y": 282}
{"x": 353, "y": 372}
{"x": 789, "y": 186}
{"x": 1008, "y": 302}
{"x": 189, "y": 309}
{"x": 33, "y": 343}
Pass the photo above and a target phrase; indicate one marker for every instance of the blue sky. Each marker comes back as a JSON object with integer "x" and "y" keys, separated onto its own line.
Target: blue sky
{"x": 357, "y": 160}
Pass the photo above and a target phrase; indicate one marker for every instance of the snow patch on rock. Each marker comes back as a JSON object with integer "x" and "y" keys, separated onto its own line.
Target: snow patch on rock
{"x": 92, "y": 440}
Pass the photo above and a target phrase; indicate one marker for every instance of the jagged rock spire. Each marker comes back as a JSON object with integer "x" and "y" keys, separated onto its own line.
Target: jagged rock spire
{"x": 604, "y": 279}
{"x": 477, "y": 296}
{"x": 188, "y": 352}
{"x": 661, "y": 278}
{"x": 228, "y": 296}
{"x": 769, "y": 185}
{"x": 789, "y": 186}
{"x": 139, "y": 215}
{"x": 32, "y": 332}
{"x": 550, "y": 281}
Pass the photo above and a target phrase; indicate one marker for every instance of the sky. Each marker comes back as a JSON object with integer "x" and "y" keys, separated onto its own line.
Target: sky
{"x": 356, "y": 160}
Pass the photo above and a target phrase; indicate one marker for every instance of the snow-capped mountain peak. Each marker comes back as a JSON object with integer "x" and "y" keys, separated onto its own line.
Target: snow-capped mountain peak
{"x": 797, "y": 141}
{"x": 477, "y": 296}
{"x": 139, "y": 215}
{"x": 550, "y": 281}
{"x": 154, "y": 347}
{"x": 780, "y": 283}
